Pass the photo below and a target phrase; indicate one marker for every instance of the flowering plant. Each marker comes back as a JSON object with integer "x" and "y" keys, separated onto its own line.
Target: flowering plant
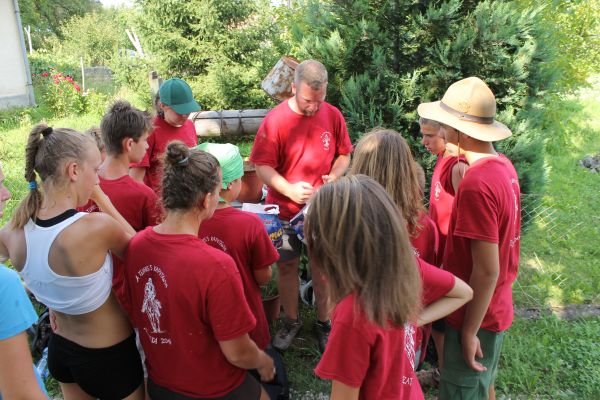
{"x": 61, "y": 93}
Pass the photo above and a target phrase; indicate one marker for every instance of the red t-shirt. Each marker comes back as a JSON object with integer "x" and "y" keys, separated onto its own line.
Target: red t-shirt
{"x": 242, "y": 235}
{"x": 158, "y": 140}
{"x": 137, "y": 203}
{"x": 362, "y": 354}
{"x": 487, "y": 207}
{"x": 426, "y": 242}
{"x": 186, "y": 296}
{"x": 441, "y": 195}
{"x": 299, "y": 148}
{"x": 436, "y": 284}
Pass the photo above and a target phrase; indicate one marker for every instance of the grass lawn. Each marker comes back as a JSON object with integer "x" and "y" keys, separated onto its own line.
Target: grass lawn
{"x": 560, "y": 253}
{"x": 560, "y": 264}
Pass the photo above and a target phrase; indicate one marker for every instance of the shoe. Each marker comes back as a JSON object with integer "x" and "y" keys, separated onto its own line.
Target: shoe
{"x": 323, "y": 330}
{"x": 285, "y": 336}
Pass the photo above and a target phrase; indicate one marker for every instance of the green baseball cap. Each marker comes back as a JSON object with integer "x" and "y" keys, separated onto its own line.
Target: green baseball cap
{"x": 177, "y": 94}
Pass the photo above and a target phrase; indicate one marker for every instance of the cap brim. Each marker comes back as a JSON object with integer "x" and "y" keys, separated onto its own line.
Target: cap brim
{"x": 484, "y": 132}
{"x": 186, "y": 108}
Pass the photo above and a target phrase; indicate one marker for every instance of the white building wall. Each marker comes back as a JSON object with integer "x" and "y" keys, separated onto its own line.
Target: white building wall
{"x": 14, "y": 90}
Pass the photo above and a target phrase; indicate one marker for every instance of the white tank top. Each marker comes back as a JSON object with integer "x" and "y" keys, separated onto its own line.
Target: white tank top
{"x": 73, "y": 295}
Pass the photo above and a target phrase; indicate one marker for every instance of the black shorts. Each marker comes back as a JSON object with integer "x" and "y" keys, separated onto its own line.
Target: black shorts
{"x": 248, "y": 390}
{"x": 107, "y": 373}
{"x": 292, "y": 246}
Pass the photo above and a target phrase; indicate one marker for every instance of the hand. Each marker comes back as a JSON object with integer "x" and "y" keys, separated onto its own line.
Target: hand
{"x": 328, "y": 178}
{"x": 267, "y": 368}
{"x": 300, "y": 192}
{"x": 472, "y": 348}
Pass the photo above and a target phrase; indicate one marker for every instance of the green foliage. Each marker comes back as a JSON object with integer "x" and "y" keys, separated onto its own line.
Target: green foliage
{"x": 571, "y": 30}
{"x": 46, "y": 16}
{"x": 385, "y": 58}
{"x": 550, "y": 358}
{"x": 95, "y": 37}
{"x": 222, "y": 48}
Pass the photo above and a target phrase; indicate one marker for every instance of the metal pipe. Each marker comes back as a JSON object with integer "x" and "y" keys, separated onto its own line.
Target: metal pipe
{"x": 29, "y": 84}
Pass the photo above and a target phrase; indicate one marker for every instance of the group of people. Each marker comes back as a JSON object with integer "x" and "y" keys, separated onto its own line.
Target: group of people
{"x": 153, "y": 277}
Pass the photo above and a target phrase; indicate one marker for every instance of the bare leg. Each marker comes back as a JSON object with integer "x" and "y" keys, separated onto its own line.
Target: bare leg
{"x": 288, "y": 286}
{"x": 263, "y": 394}
{"x": 321, "y": 294}
{"x": 72, "y": 391}
{"x": 492, "y": 393}
{"x": 438, "y": 341}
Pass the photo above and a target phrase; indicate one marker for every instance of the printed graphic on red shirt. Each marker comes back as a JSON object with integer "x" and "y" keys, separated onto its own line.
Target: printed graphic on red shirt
{"x": 299, "y": 148}
{"x": 381, "y": 362}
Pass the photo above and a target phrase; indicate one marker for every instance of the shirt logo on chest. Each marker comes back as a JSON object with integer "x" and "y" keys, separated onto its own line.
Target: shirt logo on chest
{"x": 438, "y": 190}
{"x": 326, "y": 139}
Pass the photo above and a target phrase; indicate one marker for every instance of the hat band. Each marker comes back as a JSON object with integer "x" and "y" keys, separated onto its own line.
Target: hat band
{"x": 466, "y": 117}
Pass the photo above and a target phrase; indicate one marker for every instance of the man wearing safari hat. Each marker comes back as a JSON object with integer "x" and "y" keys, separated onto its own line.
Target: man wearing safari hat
{"x": 483, "y": 239}
{"x": 175, "y": 104}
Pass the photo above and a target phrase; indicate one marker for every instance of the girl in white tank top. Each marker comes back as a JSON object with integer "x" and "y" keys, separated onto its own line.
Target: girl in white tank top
{"x": 65, "y": 260}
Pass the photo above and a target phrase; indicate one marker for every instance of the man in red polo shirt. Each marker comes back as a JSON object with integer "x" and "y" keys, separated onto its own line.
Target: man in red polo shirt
{"x": 483, "y": 241}
{"x": 301, "y": 144}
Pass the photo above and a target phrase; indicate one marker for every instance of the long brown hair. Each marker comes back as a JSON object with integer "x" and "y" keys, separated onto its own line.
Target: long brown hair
{"x": 188, "y": 176}
{"x": 356, "y": 234}
{"x": 47, "y": 151}
{"x": 384, "y": 155}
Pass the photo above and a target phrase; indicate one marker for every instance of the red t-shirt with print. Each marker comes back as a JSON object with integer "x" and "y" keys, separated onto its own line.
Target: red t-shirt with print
{"x": 362, "y": 354}
{"x": 158, "y": 140}
{"x": 436, "y": 284}
{"x": 242, "y": 235}
{"x": 299, "y": 148}
{"x": 441, "y": 195}
{"x": 186, "y": 296}
{"x": 487, "y": 207}
{"x": 137, "y": 203}
{"x": 426, "y": 242}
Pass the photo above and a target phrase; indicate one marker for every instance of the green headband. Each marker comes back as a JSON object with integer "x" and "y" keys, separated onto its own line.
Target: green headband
{"x": 228, "y": 155}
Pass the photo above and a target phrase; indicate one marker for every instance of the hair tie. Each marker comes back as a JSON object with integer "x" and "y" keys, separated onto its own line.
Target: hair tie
{"x": 183, "y": 161}
{"x": 47, "y": 131}
{"x": 32, "y": 185}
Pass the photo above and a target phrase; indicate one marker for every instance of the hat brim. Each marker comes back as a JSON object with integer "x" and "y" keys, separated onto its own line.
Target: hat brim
{"x": 186, "y": 108}
{"x": 484, "y": 132}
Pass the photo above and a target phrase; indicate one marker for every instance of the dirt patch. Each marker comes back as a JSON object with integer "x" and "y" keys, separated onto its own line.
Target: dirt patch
{"x": 568, "y": 313}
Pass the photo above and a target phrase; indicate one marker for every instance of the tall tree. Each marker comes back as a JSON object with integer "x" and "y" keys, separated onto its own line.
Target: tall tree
{"x": 46, "y": 16}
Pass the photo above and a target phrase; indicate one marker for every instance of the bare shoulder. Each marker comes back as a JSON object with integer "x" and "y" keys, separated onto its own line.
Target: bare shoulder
{"x": 95, "y": 224}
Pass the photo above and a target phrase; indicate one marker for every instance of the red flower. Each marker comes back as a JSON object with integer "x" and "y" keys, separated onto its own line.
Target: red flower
{"x": 76, "y": 86}
{"x": 45, "y": 74}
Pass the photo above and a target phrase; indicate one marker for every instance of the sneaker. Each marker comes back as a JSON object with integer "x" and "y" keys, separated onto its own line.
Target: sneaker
{"x": 285, "y": 336}
{"x": 323, "y": 330}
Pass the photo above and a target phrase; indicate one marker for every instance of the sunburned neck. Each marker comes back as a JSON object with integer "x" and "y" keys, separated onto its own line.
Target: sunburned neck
{"x": 479, "y": 150}
{"x": 114, "y": 167}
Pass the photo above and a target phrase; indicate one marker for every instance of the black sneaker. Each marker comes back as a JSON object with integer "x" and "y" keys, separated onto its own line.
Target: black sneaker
{"x": 323, "y": 329}
{"x": 285, "y": 336}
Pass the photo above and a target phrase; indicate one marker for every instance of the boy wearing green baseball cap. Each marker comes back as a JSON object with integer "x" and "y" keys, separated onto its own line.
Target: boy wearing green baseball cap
{"x": 175, "y": 103}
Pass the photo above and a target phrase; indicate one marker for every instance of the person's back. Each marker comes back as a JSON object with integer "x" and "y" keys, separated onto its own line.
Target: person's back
{"x": 242, "y": 235}
{"x": 59, "y": 252}
{"x": 187, "y": 299}
{"x": 170, "y": 278}
{"x": 487, "y": 207}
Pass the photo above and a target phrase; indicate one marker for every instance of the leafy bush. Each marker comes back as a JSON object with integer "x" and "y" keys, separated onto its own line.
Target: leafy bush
{"x": 385, "y": 58}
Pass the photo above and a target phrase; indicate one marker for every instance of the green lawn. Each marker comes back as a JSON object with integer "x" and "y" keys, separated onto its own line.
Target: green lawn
{"x": 560, "y": 254}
